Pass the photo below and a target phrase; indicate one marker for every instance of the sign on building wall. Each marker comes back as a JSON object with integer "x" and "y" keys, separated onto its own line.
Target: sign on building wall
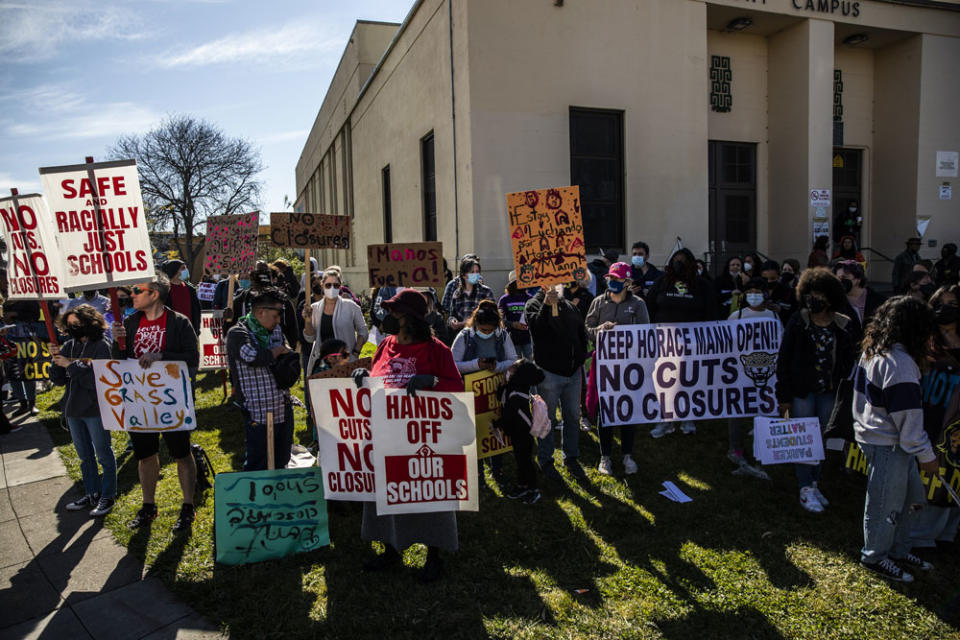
{"x": 415, "y": 264}
{"x": 947, "y": 164}
{"x": 819, "y": 197}
{"x": 310, "y": 231}
{"x": 546, "y": 232}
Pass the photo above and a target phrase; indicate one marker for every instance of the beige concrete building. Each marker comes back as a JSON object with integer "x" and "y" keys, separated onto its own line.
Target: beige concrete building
{"x": 711, "y": 120}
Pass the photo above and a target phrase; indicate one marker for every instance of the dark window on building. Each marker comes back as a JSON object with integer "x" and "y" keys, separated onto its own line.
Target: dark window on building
{"x": 429, "y": 176}
{"x": 387, "y": 213}
{"x": 732, "y": 171}
{"x": 596, "y": 165}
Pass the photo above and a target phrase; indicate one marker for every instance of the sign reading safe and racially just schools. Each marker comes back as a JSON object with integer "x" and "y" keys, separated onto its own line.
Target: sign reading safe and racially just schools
{"x": 100, "y": 223}
{"x": 35, "y": 268}
{"x": 310, "y": 230}
{"x": 415, "y": 264}
{"x": 546, "y": 232}
{"x": 231, "y": 244}
{"x": 345, "y": 440}
{"x": 424, "y": 452}
{"x": 687, "y": 371}
{"x": 213, "y": 344}
{"x": 483, "y": 386}
{"x": 779, "y": 441}
{"x": 264, "y": 515}
{"x": 131, "y": 398}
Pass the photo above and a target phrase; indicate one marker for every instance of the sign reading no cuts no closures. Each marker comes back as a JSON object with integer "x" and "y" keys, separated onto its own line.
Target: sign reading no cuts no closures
{"x": 131, "y": 398}
{"x": 100, "y": 223}
{"x": 546, "y": 234}
{"x": 310, "y": 230}
{"x": 213, "y": 345}
{"x": 687, "y": 371}
{"x": 230, "y": 244}
{"x": 344, "y": 437}
{"x": 35, "y": 268}
{"x": 415, "y": 264}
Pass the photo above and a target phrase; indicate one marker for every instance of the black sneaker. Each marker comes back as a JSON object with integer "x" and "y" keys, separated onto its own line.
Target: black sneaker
{"x": 533, "y": 497}
{"x": 573, "y": 466}
{"x": 886, "y": 568}
{"x": 185, "y": 519}
{"x": 86, "y": 502}
{"x": 517, "y": 492}
{"x": 104, "y": 506}
{"x": 144, "y": 517}
{"x": 914, "y": 562}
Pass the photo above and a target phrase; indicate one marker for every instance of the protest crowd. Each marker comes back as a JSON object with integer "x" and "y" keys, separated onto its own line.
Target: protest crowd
{"x": 867, "y": 369}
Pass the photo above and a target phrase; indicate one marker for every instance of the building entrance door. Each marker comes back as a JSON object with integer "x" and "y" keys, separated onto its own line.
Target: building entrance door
{"x": 732, "y": 169}
{"x": 847, "y": 183}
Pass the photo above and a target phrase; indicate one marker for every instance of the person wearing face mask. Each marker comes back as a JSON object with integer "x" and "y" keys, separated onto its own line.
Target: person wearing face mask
{"x": 512, "y": 305}
{"x": 729, "y": 286}
{"x": 920, "y": 285}
{"x": 947, "y": 270}
{"x": 642, "y": 273}
{"x": 333, "y": 317}
{"x": 751, "y": 265}
{"x": 72, "y": 368}
{"x": 863, "y": 300}
{"x": 183, "y": 296}
{"x": 850, "y": 220}
{"x": 125, "y": 302}
{"x": 467, "y": 294}
{"x": 578, "y": 294}
{"x": 618, "y": 306}
{"x": 780, "y": 296}
{"x": 789, "y": 272}
{"x": 817, "y": 351}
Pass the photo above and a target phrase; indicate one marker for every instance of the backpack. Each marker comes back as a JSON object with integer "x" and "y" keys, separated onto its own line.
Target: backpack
{"x": 540, "y": 426}
{"x": 204, "y": 467}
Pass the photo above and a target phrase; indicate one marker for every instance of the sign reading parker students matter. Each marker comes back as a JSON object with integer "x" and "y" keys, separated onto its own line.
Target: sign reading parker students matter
{"x": 35, "y": 268}
{"x": 342, "y": 415}
{"x": 415, "y": 264}
{"x": 424, "y": 452}
{"x": 483, "y": 386}
{"x": 546, "y": 232}
{"x": 788, "y": 440}
{"x": 100, "y": 223}
{"x": 213, "y": 344}
{"x": 131, "y": 398}
{"x": 230, "y": 244}
{"x": 310, "y": 230}
{"x": 687, "y": 371}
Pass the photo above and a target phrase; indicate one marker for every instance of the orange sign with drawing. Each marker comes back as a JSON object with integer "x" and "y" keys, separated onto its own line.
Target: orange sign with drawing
{"x": 546, "y": 233}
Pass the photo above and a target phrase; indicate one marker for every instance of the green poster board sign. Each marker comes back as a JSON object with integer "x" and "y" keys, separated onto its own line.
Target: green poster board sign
{"x": 264, "y": 515}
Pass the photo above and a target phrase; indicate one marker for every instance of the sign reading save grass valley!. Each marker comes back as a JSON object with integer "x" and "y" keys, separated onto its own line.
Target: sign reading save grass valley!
{"x": 416, "y": 264}
{"x": 35, "y": 268}
{"x": 483, "y": 386}
{"x": 310, "y": 231}
{"x": 102, "y": 229}
{"x": 231, "y": 244}
{"x": 546, "y": 231}
{"x": 131, "y": 398}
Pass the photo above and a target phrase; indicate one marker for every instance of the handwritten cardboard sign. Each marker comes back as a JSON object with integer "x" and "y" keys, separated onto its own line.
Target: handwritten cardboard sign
{"x": 310, "y": 230}
{"x": 206, "y": 291}
{"x": 35, "y": 268}
{"x": 424, "y": 452}
{"x": 213, "y": 341}
{"x": 546, "y": 232}
{"x": 342, "y": 415}
{"x": 792, "y": 440}
{"x": 131, "y": 398}
{"x": 264, "y": 515}
{"x": 416, "y": 264}
{"x": 231, "y": 243}
{"x": 100, "y": 223}
{"x": 483, "y": 386}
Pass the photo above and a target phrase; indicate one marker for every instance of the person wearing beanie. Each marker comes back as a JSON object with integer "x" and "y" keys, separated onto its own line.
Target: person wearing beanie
{"x": 183, "y": 296}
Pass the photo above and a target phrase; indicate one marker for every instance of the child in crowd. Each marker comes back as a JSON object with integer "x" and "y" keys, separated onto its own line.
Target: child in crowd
{"x": 516, "y": 418}
{"x": 332, "y": 353}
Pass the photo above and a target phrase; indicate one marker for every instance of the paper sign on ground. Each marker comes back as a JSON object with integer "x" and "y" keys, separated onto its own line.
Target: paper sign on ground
{"x": 687, "y": 371}
{"x": 100, "y": 223}
{"x": 425, "y": 452}
{"x": 790, "y": 440}
{"x": 415, "y": 264}
{"x": 310, "y": 230}
{"x": 131, "y": 398}
{"x": 35, "y": 267}
{"x": 264, "y": 515}
{"x": 213, "y": 341}
{"x": 342, "y": 415}
{"x": 482, "y": 385}
{"x": 231, "y": 244}
{"x": 206, "y": 291}
{"x": 546, "y": 232}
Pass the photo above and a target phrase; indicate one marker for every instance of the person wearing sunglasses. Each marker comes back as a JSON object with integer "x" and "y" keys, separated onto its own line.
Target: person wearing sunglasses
{"x": 333, "y": 317}
{"x": 155, "y": 332}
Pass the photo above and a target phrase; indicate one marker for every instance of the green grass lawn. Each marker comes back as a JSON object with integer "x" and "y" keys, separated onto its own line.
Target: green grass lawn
{"x": 604, "y": 559}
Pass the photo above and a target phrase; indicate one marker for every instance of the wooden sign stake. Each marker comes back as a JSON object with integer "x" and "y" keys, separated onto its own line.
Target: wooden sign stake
{"x": 270, "y": 457}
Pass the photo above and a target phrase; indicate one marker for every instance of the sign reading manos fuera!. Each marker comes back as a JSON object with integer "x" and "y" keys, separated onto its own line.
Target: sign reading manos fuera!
{"x": 788, "y": 440}
{"x": 264, "y": 515}
{"x": 35, "y": 269}
{"x": 483, "y": 386}
{"x": 425, "y": 453}
{"x": 213, "y": 347}
{"x": 342, "y": 415}
{"x": 98, "y": 214}
{"x": 131, "y": 398}
{"x": 310, "y": 230}
{"x": 417, "y": 264}
{"x": 546, "y": 232}
{"x": 687, "y": 371}
{"x": 231, "y": 243}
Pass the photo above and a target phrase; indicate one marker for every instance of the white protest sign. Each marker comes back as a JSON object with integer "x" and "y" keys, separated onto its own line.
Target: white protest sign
{"x": 35, "y": 268}
{"x": 424, "y": 452}
{"x": 687, "y": 371}
{"x": 213, "y": 341}
{"x": 777, "y": 441}
{"x": 819, "y": 197}
{"x": 205, "y": 291}
{"x": 131, "y": 398}
{"x": 342, "y": 415}
{"x": 99, "y": 218}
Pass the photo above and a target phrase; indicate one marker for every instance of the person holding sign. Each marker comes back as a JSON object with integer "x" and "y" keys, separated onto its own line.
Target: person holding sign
{"x": 183, "y": 295}
{"x": 333, "y": 317}
{"x": 888, "y": 426}
{"x": 71, "y": 367}
{"x": 160, "y": 333}
{"x": 411, "y": 357}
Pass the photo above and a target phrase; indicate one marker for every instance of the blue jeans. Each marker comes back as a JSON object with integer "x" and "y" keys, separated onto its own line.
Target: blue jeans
{"x": 814, "y": 405}
{"x": 92, "y": 443}
{"x": 564, "y": 390}
{"x": 255, "y": 436}
{"x": 895, "y": 496}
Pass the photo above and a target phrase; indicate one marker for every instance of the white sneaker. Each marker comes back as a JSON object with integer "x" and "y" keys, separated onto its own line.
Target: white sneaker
{"x": 629, "y": 466}
{"x": 662, "y": 429}
{"x": 819, "y": 496}
{"x": 808, "y": 500}
{"x": 688, "y": 428}
{"x": 606, "y": 466}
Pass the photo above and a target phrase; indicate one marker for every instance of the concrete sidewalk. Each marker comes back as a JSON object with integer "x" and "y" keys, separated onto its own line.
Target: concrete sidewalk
{"x": 62, "y": 575}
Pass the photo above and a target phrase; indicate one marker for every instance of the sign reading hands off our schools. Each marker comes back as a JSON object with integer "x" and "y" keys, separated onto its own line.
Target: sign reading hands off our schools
{"x": 131, "y": 398}
{"x": 688, "y": 371}
{"x": 35, "y": 268}
{"x": 100, "y": 223}
{"x": 310, "y": 230}
{"x": 231, "y": 243}
{"x": 213, "y": 342}
{"x": 414, "y": 264}
{"x": 546, "y": 232}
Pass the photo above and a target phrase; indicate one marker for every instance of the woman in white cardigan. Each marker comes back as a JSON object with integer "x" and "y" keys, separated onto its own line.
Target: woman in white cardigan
{"x": 333, "y": 317}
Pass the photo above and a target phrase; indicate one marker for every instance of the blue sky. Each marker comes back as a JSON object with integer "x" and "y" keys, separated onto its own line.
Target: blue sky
{"x": 76, "y": 74}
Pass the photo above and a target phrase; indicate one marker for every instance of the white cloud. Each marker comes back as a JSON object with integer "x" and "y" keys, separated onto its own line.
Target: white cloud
{"x": 25, "y": 185}
{"x": 283, "y": 136}
{"x": 102, "y": 120}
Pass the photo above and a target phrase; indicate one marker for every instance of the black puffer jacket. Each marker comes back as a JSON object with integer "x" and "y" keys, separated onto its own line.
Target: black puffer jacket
{"x": 559, "y": 342}
{"x": 796, "y": 373}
